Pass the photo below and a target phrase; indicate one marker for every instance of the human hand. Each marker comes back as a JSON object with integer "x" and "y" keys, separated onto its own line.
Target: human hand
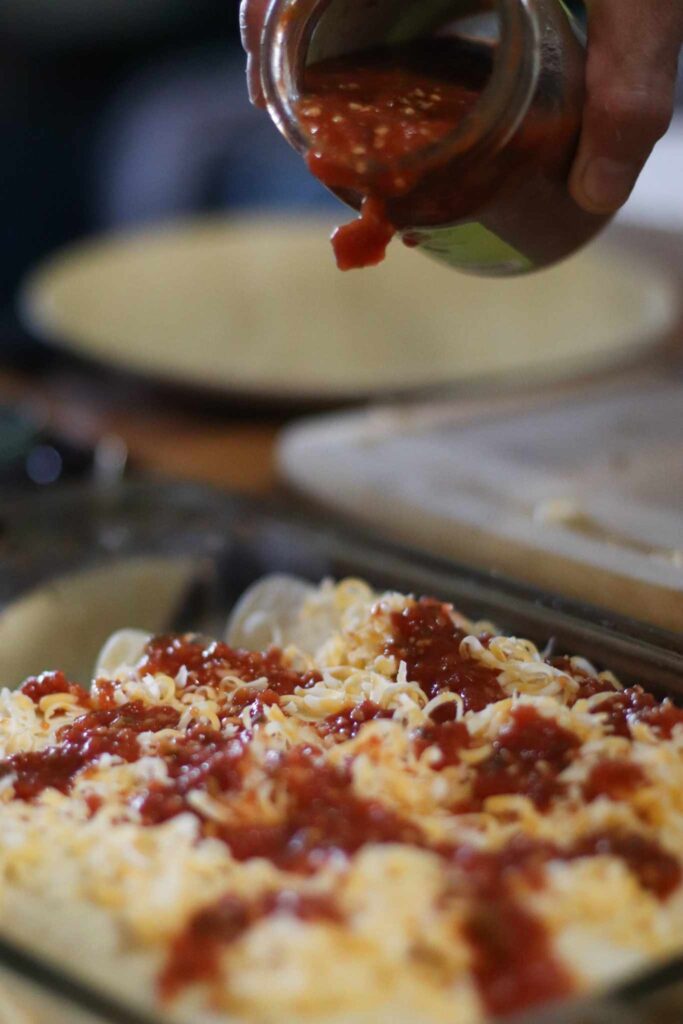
{"x": 633, "y": 51}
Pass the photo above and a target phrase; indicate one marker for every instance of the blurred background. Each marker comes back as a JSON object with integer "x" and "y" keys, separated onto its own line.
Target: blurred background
{"x": 117, "y": 114}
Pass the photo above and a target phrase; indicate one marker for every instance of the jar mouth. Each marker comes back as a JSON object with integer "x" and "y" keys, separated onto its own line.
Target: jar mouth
{"x": 497, "y": 114}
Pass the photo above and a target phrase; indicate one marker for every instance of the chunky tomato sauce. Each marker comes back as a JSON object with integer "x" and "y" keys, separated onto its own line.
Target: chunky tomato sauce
{"x": 51, "y": 683}
{"x": 623, "y": 709}
{"x": 634, "y": 705}
{"x": 200, "y": 759}
{"x": 588, "y": 685}
{"x": 196, "y": 953}
{"x": 513, "y": 959}
{"x": 513, "y": 962}
{"x": 427, "y": 641}
{"x": 616, "y": 779}
{"x": 369, "y": 115}
{"x": 346, "y": 725}
{"x": 450, "y": 738}
{"x": 528, "y": 757}
{"x": 656, "y": 870}
{"x": 207, "y": 665}
{"x": 84, "y": 742}
{"x": 323, "y": 815}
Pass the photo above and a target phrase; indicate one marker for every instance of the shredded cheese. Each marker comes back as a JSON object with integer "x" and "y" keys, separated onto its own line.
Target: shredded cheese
{"x": 82, "y": 870}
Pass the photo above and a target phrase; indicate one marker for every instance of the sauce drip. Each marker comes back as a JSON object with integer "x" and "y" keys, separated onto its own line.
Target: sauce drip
{"x": 196, "y": 952}
{"x": 364, "y": 242}
{"x": 370, "y": 114}
{"x": 427, "y": 640}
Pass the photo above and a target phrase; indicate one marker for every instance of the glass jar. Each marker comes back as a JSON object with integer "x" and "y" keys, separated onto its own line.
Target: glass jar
{"x": 491, "y": 197}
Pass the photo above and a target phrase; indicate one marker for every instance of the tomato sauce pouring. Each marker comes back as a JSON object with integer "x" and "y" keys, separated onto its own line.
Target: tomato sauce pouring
{"x": 370, "y": 116}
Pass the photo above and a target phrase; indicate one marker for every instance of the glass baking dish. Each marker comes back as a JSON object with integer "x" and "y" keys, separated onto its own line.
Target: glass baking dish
{"x": 85, "y": 561}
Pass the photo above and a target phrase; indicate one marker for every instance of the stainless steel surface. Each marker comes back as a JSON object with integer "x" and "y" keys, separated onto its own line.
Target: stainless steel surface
{"x": 231, "y": 544}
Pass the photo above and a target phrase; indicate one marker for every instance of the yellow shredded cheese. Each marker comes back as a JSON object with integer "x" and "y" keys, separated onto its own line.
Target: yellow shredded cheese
{"x": 81, "y": 870}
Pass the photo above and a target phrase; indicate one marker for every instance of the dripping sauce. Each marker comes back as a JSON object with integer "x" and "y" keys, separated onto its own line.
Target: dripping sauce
{"x": 370, "y": 116}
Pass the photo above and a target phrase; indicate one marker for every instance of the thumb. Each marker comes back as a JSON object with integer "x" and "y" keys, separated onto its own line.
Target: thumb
{"x": 633, "y": 50}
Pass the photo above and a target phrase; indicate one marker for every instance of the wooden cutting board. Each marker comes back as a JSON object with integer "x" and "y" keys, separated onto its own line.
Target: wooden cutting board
{"x": 583, "y": 497}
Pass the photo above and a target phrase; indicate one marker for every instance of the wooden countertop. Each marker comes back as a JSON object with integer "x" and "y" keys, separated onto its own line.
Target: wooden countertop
{"x": 163, "y": 435}
{"x": 195, "y": 438}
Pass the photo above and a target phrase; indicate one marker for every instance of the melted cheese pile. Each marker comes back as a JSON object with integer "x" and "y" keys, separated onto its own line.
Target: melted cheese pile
{"x": 116, "y": 894}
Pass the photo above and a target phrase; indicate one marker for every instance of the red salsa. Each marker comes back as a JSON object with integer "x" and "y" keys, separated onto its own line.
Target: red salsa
{"x": 624, "y": 708}
{"x": 634, "y": 705}
{"x": 346, "y": 725}
{"x": 208, "y": 664}
{"x": 200, "y": 759}
{"x": 196, "y": 952}
{"x": 513, "y": 960}
{"x": 656, "y": 870}
{"x": 528, "y": 757}
{"x": 426, "y": 639}
{"x": 449, "y": 738}
{"x": 370, "y": 114}
{"x": 83, "y": 742}
{"x": 514, "y": 963}
{"x": 588, "y": 685}
{"x": 616, "y": 779}
{"x": 50, "y": 683}
{"x": 323, "y": 815}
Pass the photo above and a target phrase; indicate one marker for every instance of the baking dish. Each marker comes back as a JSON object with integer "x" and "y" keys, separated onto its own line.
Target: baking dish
{"x": 115, "y": 553}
